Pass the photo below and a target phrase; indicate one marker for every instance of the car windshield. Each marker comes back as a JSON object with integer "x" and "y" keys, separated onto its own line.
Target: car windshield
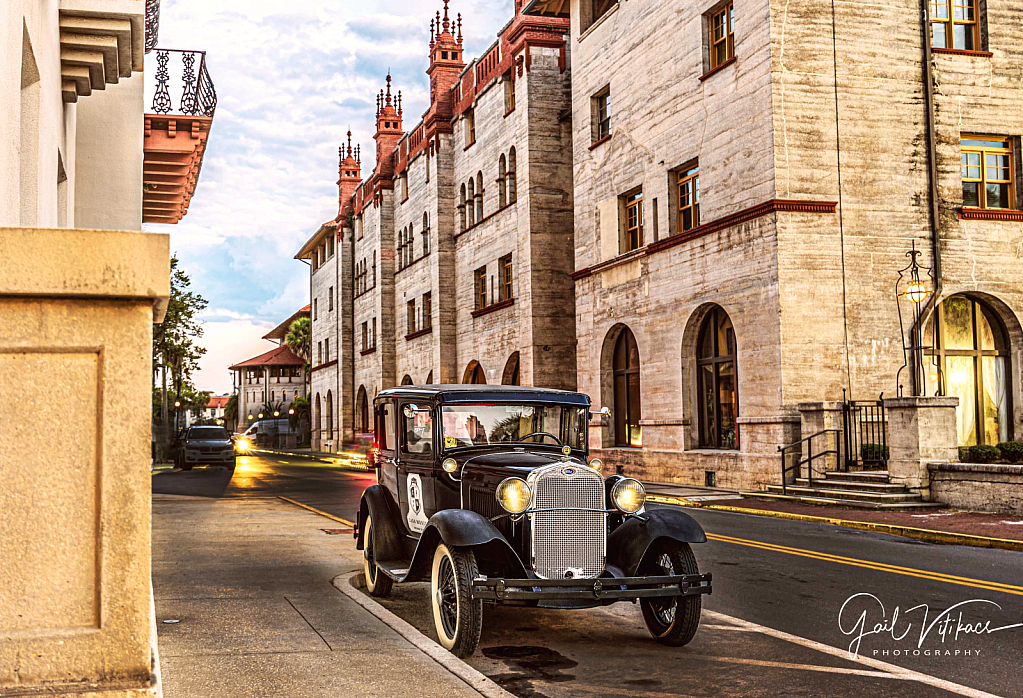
{"x": 471, "y": 425}
{"x": 208, "y": 434}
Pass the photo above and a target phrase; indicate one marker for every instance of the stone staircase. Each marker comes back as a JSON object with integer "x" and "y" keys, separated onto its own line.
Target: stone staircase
{"x": 858, "y": 489}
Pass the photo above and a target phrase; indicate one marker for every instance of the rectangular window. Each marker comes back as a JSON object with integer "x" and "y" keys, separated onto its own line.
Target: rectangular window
{"x": 358, "y": 227}
{"x": 314, "y": 308}
{"x": 688, "y": 198}
{"x": 954, "y": 24}
{"x": 592, "y": 10}
{"x": 417, "y": 432}
{"x": 319, "y": 352}
{"x": 410, "y": 317}
{"x": 632, "y": 235}
{"x": 601, "y": 114}
{"x": 480, "y": 277}
{"x": 505, "y": 265}
{"x": 330, "y": 247}
{"x": 987, "y": 172}
{"x": 427, "y": 319}
{"x": 365, "y": 335}
{"x": 722, "y": 41}
{"x": 326, "y": 350}
{"x": 509, "y": 90}
{"x": 330, "y": 298}
{"x": 404, "y": 186}
{"x": 373, "y": 336}
{"x": 470, "y": 127}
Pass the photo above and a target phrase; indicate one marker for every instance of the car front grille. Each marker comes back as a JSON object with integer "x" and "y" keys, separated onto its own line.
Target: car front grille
{"x": 565, "y": 542}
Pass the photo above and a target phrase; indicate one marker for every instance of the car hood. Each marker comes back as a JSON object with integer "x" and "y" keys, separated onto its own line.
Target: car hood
{"x": 209, "y": 442}
{"x": 515, "y": 461}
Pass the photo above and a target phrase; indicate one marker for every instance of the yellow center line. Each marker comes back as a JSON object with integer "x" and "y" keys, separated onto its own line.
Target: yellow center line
{"x": 317, "y": 511}
{"x": 879, "y": 566}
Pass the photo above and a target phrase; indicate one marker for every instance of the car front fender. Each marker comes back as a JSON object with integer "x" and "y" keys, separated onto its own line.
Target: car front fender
{"x": 628, "y": 544}
{"x": 463, "y": 528}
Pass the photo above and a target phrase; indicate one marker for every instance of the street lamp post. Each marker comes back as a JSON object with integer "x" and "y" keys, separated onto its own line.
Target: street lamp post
{"x": 916, "y": 292}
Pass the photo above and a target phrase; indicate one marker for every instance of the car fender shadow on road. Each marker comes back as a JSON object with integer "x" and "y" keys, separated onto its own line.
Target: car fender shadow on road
{"x": 210, "y": 481}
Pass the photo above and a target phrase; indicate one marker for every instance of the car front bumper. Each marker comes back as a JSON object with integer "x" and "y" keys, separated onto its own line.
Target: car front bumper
{"x": 599, "y": 589}
{"x": 194, "y": 457}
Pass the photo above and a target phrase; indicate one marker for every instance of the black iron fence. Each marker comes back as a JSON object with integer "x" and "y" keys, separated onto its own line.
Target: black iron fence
{"x": 152, "y": 24}
{"x": 197, "y": 96}
{"x": 865, "y": 434}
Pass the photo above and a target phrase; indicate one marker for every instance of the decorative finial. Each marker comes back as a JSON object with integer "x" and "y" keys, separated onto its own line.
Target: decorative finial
{"x": 349, "y": 142}
{"x": 358, "y": 154}
{"x": 431, "y": 32}
{"x": 459, "y": 27}
{"x": 446, "y": 22}
{"x": 399, "y": 102}
{"x": 388, "y": 102}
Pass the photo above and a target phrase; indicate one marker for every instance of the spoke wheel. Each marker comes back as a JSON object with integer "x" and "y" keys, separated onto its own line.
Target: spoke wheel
{"x": 377, "y": 583}
{"x": 457, "y": 618}
{"x": 672, "y": 620}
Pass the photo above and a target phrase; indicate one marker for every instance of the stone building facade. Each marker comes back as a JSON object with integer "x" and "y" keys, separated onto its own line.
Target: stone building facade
{"x": 272, "y": 379}
{"x": 749, "y": 178}
{"x": 460, "y": 240}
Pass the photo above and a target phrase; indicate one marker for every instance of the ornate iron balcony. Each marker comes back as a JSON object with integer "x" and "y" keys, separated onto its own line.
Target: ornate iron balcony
{"x": 197, "y": 95}
{"x": 152, "y": 23}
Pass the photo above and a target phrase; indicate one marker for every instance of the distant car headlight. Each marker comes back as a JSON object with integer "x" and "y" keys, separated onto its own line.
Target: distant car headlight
{"x": 513, "y": 494}
{"x": 628, "y": 495}
{"x": 449, "y": 465}
{"x": 244, "y": 444}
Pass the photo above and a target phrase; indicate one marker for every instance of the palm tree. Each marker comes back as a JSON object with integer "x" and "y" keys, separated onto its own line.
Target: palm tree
{"x": 300, "y": 340}
{"x": 231, "y": 411}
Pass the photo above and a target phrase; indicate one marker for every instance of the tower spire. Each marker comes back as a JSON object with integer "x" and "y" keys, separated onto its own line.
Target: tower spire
{"x": 447, "y": 23}
{"x": 459, "y": 27}
{"x": 388, "y": 87}
{"x": 349, "y": 142}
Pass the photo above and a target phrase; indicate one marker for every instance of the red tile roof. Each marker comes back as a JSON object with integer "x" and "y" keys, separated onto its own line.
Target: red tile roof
{"x": 278, "y": 356}
{"x": 281, "y": 331}
{"x": 217, "y": 401}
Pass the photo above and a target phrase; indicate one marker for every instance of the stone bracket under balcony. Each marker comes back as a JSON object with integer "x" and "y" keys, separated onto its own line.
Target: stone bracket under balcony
{"x": 100, "y": 42}
{"x": 174, "y": 146}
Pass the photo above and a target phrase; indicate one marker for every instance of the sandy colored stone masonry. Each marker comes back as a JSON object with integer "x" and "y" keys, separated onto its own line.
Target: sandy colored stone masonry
{"x": 76, "y": 314}
{"x": 996, "y": 487}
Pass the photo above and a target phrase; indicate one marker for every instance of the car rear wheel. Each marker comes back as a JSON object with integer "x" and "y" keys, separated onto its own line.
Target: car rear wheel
{"x": 672, "y": 620}
{"x": 457, "y": 617}
{"x": 377, "y": 583}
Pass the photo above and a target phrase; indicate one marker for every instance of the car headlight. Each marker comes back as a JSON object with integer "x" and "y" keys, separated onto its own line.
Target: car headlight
{"x": 244, "y": 444}
{"x": 595, "y": 463}
{"x": 449, "y": 465}
{"x": 513, "y": 494}
{"x": 628, "y": 495}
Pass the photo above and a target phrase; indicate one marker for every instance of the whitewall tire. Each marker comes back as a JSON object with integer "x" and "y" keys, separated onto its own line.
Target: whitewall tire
{"x": 377, "y": 583}
{"x": 457, "y": 618}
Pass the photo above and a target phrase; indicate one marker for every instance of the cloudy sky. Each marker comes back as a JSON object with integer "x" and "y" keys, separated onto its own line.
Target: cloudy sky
{"x": 291, "y": 78}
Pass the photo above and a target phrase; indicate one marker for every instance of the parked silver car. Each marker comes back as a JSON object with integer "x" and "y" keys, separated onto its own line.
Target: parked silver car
{"x": 207, "y": 445}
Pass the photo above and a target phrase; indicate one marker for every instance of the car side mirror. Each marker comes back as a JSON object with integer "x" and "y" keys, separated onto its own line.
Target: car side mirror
{"x": 604, "y": 412}
{"x": 411, "y": 409}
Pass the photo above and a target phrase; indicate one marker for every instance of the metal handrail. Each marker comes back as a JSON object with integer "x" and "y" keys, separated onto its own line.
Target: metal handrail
{"x": 809, "y": 460}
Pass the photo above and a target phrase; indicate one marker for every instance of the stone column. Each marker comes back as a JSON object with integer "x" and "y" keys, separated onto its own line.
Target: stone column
{"x": 76, "y": 316}
{"x": 815, "y": 417}
{"x": 921, "y": 430}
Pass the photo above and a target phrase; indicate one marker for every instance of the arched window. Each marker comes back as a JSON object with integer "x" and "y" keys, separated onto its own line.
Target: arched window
{"x": 399, "y": 247}
{"x": 426, "y": 234}
{"x": 627, "y": 410}
{"x": 330, "y": 415}
{"x": 474, "y": 374}
{"x": 502, "y": 171}
{"x": 363, "y": 424}
{"x": 970, "y": 360}
{"x": 461, "y": 207}
{"x": 717, "y": 383}
{"x": 429, "y": 378}
{"x": 406, "y": 380}
{"x": 513, "y": 194}
{"x": 511, "y": 370}
{"x": 470, "y": 206}
{"x": 317, "y": 418}
{"x": 479, "y": 195}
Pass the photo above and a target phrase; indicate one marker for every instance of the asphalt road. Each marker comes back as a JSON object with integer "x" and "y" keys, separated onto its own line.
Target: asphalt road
{"x": 774, "y": 625}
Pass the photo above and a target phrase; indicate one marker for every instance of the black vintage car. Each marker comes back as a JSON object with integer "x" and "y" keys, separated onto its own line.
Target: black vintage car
{"x": 486, "y": 492}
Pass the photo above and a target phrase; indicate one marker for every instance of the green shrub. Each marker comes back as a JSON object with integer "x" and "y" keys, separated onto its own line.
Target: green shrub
{"x": 873, "y": 452}
{"x": 1011, "y": 451}
{"x": 979, "y": 454}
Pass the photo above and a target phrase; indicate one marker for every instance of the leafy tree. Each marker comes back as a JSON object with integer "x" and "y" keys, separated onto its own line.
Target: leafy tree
{"x": 231, "y": 410}
{"x": 174, "y": 344}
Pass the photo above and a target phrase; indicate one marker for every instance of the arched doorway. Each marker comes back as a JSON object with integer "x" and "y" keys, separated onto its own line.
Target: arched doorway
{"x": 429, "y": 378}
{"x": 330, "y": 415}
{"x": 363, "y": 411}
{"x": 970, "y": 360}
{"x": 717, "y": 384}
{"x": 315, "y": 435}
{"x": 511, "y": 370}
{"x": 406, "y": 380}
{"x": 474, "y": 374}
{"x": 626, "y": 410}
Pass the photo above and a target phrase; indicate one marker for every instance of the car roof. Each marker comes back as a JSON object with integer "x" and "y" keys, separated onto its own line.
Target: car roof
{"x": 471, "y": 392}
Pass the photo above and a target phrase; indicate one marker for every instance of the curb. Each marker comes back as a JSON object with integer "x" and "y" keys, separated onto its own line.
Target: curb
{"x": 345, "y": 463}
{"x": 923, "y": 534}
{"x": 474, "y": 679}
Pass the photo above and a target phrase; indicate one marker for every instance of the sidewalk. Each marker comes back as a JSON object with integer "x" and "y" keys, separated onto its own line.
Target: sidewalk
{"x": 248, "y": 582}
